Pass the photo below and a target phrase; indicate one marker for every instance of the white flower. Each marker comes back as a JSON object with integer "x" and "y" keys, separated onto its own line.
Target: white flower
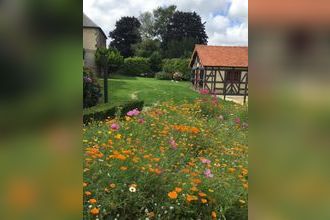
{"x": 146, "y": 210}
{"x": 171, "y": 207}
{"x": 132, "y": 189}
{"x": 90, "y": 206}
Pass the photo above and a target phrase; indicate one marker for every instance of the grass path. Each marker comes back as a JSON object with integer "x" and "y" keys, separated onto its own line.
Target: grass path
{"x": 150, "y": 90}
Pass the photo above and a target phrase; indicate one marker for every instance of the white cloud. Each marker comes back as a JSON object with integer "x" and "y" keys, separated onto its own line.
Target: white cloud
{"x": 226, "y": 20}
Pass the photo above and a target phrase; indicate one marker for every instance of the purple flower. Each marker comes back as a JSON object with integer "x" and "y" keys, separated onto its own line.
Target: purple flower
{"x": 204, "y": 160}
{"x": 208, "y": 173}
{"x": 115, "y": 126}
{"x": 134, "y": 112}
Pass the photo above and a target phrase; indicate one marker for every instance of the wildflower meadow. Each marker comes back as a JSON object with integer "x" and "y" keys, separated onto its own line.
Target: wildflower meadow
{"x": 170, "y": 161}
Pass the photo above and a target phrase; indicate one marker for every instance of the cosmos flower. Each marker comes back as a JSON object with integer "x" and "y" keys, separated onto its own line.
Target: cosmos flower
{"x": 173, "y": 143}
{"x": 134, "y": 112}
{"x": 204, "y": 160}
{"x": 115, "y": 126}
{"x": 208, "y": 173}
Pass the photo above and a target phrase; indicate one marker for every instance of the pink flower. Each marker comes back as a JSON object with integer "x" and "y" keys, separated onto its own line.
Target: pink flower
{"x": 115, "y": 126}
{"x": 173, "y": 143}
{"x": 204, "y": 91}
{"x": 141, "y": 120}
{"x": 208, "y": 173}
{"x": 134, "y": 112}
{"x": 237, "y": 120}
{"x": 204, "y": 160}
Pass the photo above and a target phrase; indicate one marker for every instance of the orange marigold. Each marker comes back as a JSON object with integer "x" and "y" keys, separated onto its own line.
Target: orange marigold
{"x": 204, "y": 201}
{"x": 201, "y": 194}
{"x": 214, "y": 214}
{"x": 178, "y": 189}
{"x": 196, "y": 181}
{"x": 172, "y": 195}
{"x": 88, "y": 193}
{"x": 191, "y": 198}
{"x": 95, "y": 211}
{"x": 92, "y": 201}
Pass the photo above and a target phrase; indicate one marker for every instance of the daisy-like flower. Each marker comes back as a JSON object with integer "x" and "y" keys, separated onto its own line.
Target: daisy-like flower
{"x": 134, "y": 112}
{"x": 208, "y": 173}
{"x": 132, "y": 188}
{"x": 115, "y": 126}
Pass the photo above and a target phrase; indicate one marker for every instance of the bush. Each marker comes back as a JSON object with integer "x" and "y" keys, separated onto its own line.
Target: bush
{"x": 177, "y": 65}
{"x": 91, "y": 89}
{"x": 155, "y": 62}
{"x": 164, "y": 76}
{"x": 99, "y": 114}
{"x": 135, "y": 66}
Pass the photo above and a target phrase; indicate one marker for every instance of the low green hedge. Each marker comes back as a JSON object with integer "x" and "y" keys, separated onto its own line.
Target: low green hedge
{"x": 104, "y": 112}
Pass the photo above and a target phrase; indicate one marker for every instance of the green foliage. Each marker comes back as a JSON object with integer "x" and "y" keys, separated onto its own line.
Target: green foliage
{"x": 146, "y": 48}
{"x": 109, "y": 57}
{"x": 91, "y": 89}
{"x": 184, "y": 30}
{"x": 162, "y": 17}
{"x": 102, "y": 113}
{"x": 155, "y": 62}
{"x": 135, "y": 66}
{"x": 177, "y": 65}
{"x": 125, "y": 35}
{"x": 147, "y": 28}
{"x": 164, "y": 76}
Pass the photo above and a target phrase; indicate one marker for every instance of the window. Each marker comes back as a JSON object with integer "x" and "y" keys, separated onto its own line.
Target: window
{"x": 233, "y": 76}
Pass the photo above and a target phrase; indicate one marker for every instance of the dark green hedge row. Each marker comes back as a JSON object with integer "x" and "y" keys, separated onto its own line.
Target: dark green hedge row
{"x": 97, "y": 114}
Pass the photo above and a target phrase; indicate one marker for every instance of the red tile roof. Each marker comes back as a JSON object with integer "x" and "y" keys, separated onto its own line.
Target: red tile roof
{"x": 226, "y": 56}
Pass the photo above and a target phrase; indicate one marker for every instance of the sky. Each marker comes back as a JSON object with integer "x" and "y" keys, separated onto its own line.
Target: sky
{"x": 226, "y": 20}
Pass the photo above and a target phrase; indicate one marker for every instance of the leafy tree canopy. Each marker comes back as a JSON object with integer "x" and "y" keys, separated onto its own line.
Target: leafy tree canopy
{"x": 125, "y": 35}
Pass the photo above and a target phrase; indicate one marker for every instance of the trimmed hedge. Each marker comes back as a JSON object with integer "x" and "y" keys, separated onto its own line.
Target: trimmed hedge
{"x": 135, "y": 66}
{"x": 99, "y": 114}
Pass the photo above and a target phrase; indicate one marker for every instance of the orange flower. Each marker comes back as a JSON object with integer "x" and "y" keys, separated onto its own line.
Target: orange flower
{"x": 204, "y": 201}
{"x": 95, "y": 211}
{"x": 84, "y": 184}
{"x": 178, "y": 189}
{"x": 245, "y": 185}
{"x": 120, "y": 157}
{"x": 191, "y": 198}
{"x": 194, "y": 188}
{"x": 172, "y": 195}
{"x": 123, "y": 168}
{"x": 202, "y": 194}
{"x": 88, "y": 193}
{"x": 214, "y": 214}
{"x": 92, "y": 201}
{"x": 196, "y": 181}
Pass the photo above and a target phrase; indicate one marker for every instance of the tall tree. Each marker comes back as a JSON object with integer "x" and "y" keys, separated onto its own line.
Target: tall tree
{"x": 147, "y": 28}
{"x": 184, "y": 27}
{"x": 125, "y": 35}
{"x": 162, "y": 17}
{"x": 146, "y": 48}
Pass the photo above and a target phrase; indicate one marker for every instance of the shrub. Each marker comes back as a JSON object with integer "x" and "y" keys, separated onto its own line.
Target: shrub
{"x": 91, "y": 89}
{"x": 177, "y": 65}
{"x": 164, "y": 76}
{"x": 102, "y": 113}
{"x": 155, "y": 62}
{"x": 108, "y": 57}
{"x": 135, "y": 66}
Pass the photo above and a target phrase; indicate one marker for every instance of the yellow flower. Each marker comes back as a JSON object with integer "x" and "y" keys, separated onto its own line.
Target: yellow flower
{"x": 118, "y": 136}
{"x": 172, "y": 195}
{"x": 123, "y": 168}
{"x": 231, "y": 170}
{"x": 242, "y": 201}
{"x": 194, "y": 188}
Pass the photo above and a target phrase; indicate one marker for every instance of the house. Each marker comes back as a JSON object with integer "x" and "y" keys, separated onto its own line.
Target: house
{"x": 93, "y": 38}
{"x": 220, "y": 70}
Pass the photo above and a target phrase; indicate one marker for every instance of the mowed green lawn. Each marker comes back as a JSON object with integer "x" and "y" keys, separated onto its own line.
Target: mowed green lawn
{"x": 150, "y": 90}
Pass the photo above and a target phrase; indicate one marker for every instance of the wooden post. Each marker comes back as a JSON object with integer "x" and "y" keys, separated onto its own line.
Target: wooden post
{"x": 246, "y": 84}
